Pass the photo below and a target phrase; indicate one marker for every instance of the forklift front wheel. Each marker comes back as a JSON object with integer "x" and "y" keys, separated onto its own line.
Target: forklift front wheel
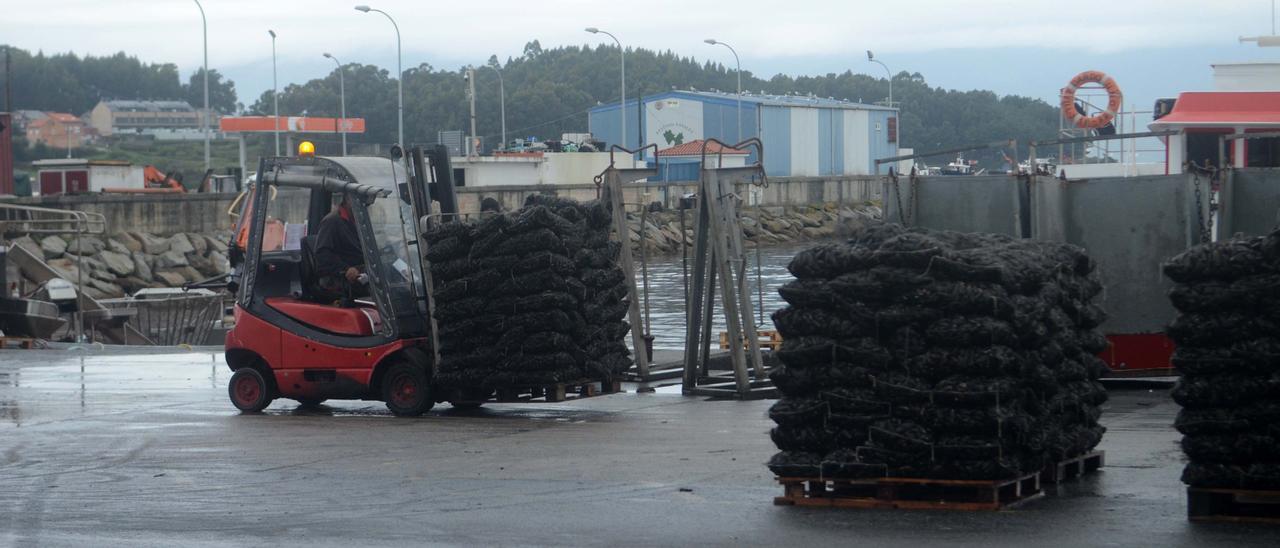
{"x": 406, "y": 390}
{"x": 249, "y": 391}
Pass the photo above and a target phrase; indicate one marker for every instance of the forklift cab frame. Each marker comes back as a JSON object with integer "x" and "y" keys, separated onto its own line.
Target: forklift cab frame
{"x": 286, "y": 343}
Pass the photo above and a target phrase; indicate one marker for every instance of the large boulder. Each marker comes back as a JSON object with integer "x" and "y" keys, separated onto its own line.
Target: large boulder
{"x": 220, "y": 263}
{"x": 216, "y": 244}
{"x": 128, "y": 240}
{"x": 191, "y": 274}
{"x": 53, "y": 247}
{"x": 117, "y": 246}
{"x": 88, "y": 263}
{"x": 170, "y": 278}
{"x": 202, "y": 264}
{"x": 64, "y": 268}
{"x": 132, "y": 284}
{"x": 199, "y": 243}
{"x": 107, "y": 288}
{"x": 141, "y": 268}
{"x": 181, "y": 244}
{"x": 171, "y": 259}
{"x": 152, "y": 245}
{"x": 85, "y": 245}
{"x": 120, "y": 264}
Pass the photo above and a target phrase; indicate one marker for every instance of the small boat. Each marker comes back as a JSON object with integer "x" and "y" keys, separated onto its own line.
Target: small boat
{"x": 959, "y": 167}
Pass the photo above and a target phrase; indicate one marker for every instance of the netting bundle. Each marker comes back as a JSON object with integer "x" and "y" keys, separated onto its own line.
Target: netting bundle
{"x": 529, "y": 297}
{"x": 1227, "y": 339}
{"x": 917, "y": 353}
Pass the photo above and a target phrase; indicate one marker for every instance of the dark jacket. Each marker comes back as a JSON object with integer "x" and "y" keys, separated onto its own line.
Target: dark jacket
{"x": 337, "y": 246}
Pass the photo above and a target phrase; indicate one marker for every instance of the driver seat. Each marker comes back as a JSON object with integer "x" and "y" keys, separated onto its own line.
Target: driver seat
{"x": 311, "y": 290}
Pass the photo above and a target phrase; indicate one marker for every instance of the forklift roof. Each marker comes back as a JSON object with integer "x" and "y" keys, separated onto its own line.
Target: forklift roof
{"x": 365, "y": 176}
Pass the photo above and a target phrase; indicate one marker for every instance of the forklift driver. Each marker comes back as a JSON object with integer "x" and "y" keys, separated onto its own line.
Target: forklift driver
{"x": 339, "y": 259}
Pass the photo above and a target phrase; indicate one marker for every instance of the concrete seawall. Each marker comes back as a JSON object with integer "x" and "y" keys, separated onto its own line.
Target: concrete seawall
{"x": 168, "y": 214}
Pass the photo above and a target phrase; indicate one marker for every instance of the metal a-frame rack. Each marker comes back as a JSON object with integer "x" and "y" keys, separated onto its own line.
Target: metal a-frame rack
{"x": 611, "y": 182}
{"x": 718, "y": 254}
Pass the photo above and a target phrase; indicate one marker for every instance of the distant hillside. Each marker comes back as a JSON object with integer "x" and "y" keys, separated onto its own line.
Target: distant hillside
{"x": 548, "y": 92}
{"x": 65, "y": 82}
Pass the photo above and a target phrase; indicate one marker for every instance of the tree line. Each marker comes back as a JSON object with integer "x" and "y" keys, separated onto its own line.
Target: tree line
{"x": 548, "y": 92}
{"x": 66, "y": 82}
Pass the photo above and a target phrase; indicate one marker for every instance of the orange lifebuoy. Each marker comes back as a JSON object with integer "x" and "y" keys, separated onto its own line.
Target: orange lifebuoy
{"x": 1114, "y": 100}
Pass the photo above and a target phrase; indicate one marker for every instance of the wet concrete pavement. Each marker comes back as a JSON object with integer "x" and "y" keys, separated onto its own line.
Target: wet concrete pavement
{"x": 143, "y": 450}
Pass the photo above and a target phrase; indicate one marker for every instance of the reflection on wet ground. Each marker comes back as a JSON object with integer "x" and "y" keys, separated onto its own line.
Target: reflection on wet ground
{"x": 145, "y": 450}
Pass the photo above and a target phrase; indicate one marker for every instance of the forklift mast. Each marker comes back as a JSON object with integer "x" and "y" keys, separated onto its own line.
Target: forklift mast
{"x": 430, "y": 180}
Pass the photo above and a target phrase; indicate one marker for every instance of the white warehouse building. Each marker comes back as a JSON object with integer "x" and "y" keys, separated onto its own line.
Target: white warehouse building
{"x": 802, "y": 136}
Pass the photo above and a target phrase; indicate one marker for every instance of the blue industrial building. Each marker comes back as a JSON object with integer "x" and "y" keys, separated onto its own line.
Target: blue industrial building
{"x": 803, "y": 136}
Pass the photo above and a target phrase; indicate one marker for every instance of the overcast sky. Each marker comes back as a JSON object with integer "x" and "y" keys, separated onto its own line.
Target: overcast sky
{"x": 1027, "y": 47}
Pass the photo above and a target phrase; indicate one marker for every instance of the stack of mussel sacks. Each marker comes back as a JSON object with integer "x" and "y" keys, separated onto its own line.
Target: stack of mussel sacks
{"x": 1227, "y": 339}
{"x": 527, "y": 298}
{"x": 929, "y": 354}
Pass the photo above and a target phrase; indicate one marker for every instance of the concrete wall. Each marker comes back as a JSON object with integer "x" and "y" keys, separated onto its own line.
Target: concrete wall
{"x": 787, "y": 191}
{"x": 204, "y": 213}
{"x": 1250, "y": 202}
{"x": 151, "y": 213}
{"x": 965, "y": 204}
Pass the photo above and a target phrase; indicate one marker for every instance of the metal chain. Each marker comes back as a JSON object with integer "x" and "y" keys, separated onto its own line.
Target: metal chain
{"x": 915, "y": 193}
{"x": 1200, "y": 219}
{"x": 897, "y": 195}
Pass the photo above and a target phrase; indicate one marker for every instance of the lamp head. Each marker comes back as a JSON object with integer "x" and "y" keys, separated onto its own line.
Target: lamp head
{"x": 363, "y": 8}
{"x": 870, "y": 56}
{"x": 711, "y": 41}
{"x": 327, "y": 56}
{"x": 272, "y": 33}
{"x": 593, "y": 30}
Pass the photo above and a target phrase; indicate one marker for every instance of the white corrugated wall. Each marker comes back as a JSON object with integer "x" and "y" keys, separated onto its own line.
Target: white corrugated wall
{"x": 804, "y": 142}
{"x": 857, "y": 151}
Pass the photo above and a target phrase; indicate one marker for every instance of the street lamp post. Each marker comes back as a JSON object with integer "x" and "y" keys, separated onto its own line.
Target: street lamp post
{"x": 871, "y": 57}
{"x": 275, "y": 93}
{"x": 623, "y": 57}
{"x": 204, "y": 23}
{"x": 342, "y": 102}
{"x": 502, "y": 102}
{"x": 399, "y": 74}
{"x": 715, "y": 42}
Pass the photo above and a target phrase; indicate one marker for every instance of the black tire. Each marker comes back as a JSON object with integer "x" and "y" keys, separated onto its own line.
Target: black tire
{"x": 406, "y": 390}
{"x": 249, "y": 391}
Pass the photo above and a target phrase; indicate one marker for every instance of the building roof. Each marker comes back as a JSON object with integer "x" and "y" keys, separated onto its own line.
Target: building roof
{"x": 149, "y": 106}
{"x": 752, "y": 99}
{"x": 63, "y": 117}
{"x": 1223, "y": 108}
{"x": 694, "y": 148}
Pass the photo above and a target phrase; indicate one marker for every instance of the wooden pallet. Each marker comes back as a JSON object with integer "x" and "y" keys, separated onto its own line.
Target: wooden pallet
{"x": 558, "y": 392}
{"x": 1233, "y": 505}
{"x": 1074, "y": 467}
{"x": 910, "y": 493}
{"x": 17, "y": 342}
{"x": 767, "y": 339}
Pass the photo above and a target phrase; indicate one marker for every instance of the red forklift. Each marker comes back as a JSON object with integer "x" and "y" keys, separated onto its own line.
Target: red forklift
{"x": 292, "y": 341}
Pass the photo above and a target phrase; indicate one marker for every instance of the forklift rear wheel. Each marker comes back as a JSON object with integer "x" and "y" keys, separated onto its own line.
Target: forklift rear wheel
{"x": 249, "y": 391}
{"x": 407, "y": 390}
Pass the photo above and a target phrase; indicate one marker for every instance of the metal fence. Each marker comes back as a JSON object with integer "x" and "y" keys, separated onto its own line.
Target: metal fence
{"x": 171, "y": 318}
